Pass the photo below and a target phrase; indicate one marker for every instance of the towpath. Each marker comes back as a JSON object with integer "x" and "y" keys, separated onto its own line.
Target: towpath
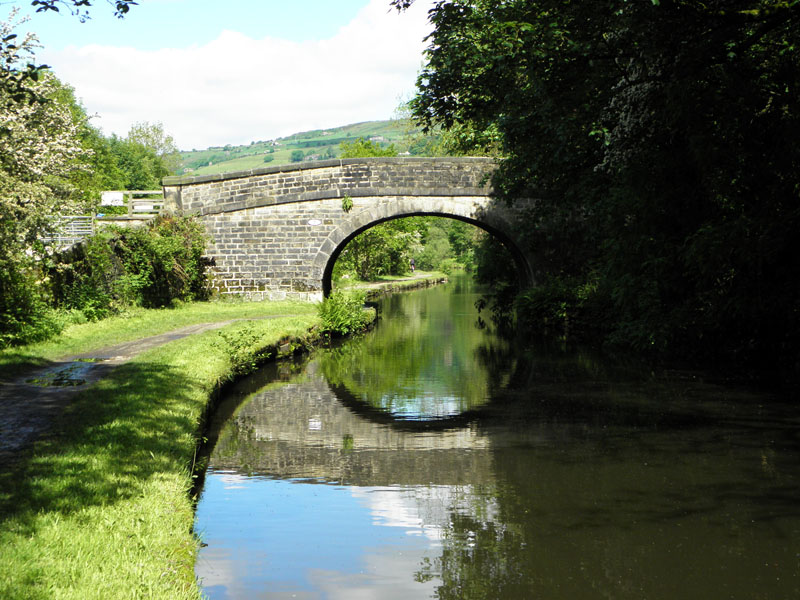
{"x": 30, "y": 403}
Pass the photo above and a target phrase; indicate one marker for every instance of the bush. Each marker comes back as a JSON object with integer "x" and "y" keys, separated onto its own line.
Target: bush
{"x": 24, "y": 316}
{"x": 343, "y": 312}
{"x": 562, "y": 308}
{"x": 164, "y": 262}
{"x": 153, "y": 266}
{"x": 449, "y": 266}
{"x": 83, "y": 278}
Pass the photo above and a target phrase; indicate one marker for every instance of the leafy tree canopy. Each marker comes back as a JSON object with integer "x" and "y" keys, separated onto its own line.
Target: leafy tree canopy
{"x": 153, "y": 137}
{"x": 660, "y": 139}
{"x": 361, "y": 147}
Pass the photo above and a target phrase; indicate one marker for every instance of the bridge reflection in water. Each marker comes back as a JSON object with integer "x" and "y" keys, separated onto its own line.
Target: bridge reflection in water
{"x": 302, "y": 430}
{"x": 583, "y": 483}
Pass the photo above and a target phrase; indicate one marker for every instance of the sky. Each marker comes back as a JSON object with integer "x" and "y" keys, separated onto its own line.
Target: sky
{"x": 218, "y": 72}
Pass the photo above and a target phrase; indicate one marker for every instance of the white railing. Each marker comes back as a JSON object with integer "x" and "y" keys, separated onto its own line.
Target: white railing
{"x": 139, "y": 202}
{"x": 71, "y": 229}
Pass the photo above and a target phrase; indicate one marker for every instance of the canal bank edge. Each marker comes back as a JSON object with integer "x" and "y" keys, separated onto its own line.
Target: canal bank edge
{"x": 124, "y": 454}
{"x": 244, "y": 364}
{"x": 382, "y": 288}
{"x": 109, "y": 475}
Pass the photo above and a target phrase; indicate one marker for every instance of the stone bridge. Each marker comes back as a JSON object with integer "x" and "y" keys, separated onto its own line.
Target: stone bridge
{"x": 277, "y": 231}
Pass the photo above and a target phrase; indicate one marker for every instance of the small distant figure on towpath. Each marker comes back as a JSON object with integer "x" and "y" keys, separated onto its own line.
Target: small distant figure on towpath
{"x": 412, "y": 265}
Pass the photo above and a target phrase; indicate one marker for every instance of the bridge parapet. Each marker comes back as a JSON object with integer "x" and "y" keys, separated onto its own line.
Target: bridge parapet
{"x": 320, "y": 180}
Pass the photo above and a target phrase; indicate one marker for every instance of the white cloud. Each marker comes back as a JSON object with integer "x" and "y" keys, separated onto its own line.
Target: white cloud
{"x": 236, "y": 89}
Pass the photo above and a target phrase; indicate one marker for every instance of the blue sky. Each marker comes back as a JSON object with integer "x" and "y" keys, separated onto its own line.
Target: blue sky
{"x": 220, "y": 72}
{"x": 155, "y": 24}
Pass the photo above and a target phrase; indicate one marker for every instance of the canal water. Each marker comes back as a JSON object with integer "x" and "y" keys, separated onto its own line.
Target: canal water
{"x": 430, "y": 459}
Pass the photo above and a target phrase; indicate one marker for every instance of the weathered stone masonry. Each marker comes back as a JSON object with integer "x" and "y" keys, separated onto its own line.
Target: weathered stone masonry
{"x": 277, "y": 231}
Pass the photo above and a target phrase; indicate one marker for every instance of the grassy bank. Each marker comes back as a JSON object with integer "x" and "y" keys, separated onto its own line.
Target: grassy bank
{"x": 101, "y": 509}
{"x": 137, "y": 323}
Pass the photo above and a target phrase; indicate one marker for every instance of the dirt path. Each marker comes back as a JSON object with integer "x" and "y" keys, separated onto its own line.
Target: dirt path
{"x": 29, "y": 404}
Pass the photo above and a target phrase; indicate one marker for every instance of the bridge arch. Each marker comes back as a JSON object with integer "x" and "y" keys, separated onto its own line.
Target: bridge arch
{"x": 428, "y": 207}
{"x": 277, "y": 231}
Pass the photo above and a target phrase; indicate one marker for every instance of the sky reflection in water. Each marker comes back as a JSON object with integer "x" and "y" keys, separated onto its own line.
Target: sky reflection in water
{"x": 578, "y": 483}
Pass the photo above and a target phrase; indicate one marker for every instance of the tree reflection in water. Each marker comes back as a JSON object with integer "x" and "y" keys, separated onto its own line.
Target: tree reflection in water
{"x": 554, "y": 477}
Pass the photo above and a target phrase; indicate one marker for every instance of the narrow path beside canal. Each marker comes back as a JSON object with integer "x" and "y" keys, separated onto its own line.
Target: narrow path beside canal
{"x": 30, "y": 402}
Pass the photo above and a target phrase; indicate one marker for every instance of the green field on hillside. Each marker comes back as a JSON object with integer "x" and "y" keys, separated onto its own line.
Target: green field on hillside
{"x": 315, "y": 145}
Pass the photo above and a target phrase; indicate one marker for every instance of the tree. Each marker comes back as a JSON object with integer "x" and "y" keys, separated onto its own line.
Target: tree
{"x": 153, "y": 137}
{"x": 361, "y": 147}
{"x": 140, "y": 166}
{"x": 297, "y": 156}
{"x": 660, "y": 140}
{"x": 16, "y": 58}
{"x": 78, "y": 7}
{"x": 384, "y": 249}
{"x": 41, "y": 155}
{"x": 17, "y": 71}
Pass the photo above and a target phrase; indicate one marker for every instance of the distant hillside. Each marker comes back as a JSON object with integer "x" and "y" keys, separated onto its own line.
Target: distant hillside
{"x": 314, "y": 145}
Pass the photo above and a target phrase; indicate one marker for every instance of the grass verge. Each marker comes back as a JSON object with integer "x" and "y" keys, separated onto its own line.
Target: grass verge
{"x": 102, "y": 508}
{"x": 135, "y": 324}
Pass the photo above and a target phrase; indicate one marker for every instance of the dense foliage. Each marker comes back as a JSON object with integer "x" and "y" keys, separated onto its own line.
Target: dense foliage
{"x": 660, "y": 140}
{"x": 41, "y": 156}
{"x": 151, "y": 266}
{"x": 53, "y": 162}
{"x": 361, "y": 147}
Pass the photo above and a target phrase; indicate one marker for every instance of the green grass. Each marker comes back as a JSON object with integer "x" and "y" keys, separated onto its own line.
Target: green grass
{"x": 136, "y": 324}
{"x": 101, "y": 509}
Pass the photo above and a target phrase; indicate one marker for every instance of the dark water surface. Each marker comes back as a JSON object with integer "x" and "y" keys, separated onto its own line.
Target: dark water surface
{"x": 428, "y": 460}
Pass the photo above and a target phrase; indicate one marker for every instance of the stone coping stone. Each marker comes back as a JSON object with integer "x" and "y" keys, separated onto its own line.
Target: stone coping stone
{"x": 321, "y": 164}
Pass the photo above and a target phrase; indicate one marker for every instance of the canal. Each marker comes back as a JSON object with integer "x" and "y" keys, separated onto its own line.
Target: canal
{"x": 430, "y": 458}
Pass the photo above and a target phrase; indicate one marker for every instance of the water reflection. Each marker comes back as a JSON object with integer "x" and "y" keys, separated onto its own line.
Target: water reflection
{"x": 583, "y": 483}
{"x": 426, "y": 361}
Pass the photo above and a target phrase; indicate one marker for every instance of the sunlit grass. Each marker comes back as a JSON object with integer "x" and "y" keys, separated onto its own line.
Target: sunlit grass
{"x": 137, "y": 323}
{"x": 101, "y": 509}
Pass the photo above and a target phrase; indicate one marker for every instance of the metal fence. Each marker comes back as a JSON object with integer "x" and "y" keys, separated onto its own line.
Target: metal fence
{"x": 71, "y": 229}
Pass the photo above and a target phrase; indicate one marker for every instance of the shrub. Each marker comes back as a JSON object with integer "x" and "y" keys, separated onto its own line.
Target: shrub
{"x": 343, "y": 312}
{"x": 24, "y": 317}
{"x": 561, "y": 308}
{"x": 83, "y": 278}
{"x": 164, "y": 262}
{"x": 153, "y": 266}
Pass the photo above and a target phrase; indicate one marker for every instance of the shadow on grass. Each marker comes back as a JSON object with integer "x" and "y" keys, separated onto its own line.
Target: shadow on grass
{"x": 134, "y": 425}
{"x": 14, "y": 364}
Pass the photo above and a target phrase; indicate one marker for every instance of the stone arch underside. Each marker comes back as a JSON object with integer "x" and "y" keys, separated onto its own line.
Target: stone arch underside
{"x": 481, "y": 211}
